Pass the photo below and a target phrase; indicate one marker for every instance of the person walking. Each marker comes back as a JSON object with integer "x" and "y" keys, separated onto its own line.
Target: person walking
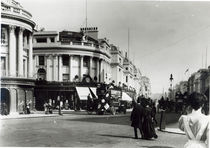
{"x": 195, "y": 124}
{"x": 136, "y": 119}
{"x": 148, "y": 125}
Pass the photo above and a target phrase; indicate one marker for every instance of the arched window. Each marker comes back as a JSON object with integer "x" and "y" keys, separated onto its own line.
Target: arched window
{"x": 41, "y": 74}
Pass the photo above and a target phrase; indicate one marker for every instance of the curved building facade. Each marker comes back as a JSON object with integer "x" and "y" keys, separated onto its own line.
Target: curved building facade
{"x": 66, "y": 60}
{"x": 17, "y": 83}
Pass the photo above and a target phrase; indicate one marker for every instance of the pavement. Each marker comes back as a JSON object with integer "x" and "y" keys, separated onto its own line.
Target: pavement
{"x": 171, "y": 128}
{"x": 78, "y": 129}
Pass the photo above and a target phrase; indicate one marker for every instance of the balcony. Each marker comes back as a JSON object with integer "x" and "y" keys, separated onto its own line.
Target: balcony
{"x": 75, "y": 45}
{"x": 15, "y": 11}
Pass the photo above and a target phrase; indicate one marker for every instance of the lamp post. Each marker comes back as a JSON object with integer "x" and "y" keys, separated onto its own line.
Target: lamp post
{"x": 171, "y": 86}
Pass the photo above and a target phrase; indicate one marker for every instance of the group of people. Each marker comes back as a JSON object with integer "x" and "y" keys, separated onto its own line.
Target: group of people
{"x": 195, "y": 123}
{"x": 143, "y": 118}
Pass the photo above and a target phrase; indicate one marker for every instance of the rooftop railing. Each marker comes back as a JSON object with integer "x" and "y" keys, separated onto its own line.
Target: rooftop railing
{"x": 75, "y": 44}
{"x": 15, "y": 11}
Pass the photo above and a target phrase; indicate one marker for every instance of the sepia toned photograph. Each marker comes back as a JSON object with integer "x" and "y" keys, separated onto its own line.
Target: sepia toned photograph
{"x": 105, "y": 73}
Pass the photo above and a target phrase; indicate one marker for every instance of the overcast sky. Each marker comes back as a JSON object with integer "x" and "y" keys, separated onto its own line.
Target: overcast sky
{"x": 165, "y": 37}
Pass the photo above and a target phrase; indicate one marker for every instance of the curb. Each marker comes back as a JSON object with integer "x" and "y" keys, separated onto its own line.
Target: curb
{"x": 27, "y": 116}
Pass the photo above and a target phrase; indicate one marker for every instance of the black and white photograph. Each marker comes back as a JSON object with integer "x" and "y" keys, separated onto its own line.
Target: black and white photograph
{"x": 105, "y": 73}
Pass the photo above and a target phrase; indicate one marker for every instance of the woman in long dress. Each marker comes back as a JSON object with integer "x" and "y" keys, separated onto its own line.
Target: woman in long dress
{"x": 195, "y": 124}
{"x": 148, "y": 125}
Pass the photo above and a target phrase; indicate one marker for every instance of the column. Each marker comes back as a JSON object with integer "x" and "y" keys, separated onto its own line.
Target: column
{"x": 30, "y": 57}
{"x": 25, "y": 41}
{"x": 48, "y": 68}
{"x": 20, "y": 52}
{"x": 12, "y": 51}
{"x": 90, "y": 67}
{"x": 70, "y": 67}
{"x": 60, "y": 74}
{"x": 34, "y": 66}
{"x": 55, "y": 65}
{"x": 101, "y": 70}
{"x": 97, "y": 70}
{"x": 81, "y": 67}
{"x": 13, "y": 99}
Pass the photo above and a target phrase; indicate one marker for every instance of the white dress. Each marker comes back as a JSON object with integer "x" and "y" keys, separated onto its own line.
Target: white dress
{"x": 196, "y": 127}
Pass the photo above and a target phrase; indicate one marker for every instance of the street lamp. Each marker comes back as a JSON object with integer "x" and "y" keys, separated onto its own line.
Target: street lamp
{"x": 171, "y": 87}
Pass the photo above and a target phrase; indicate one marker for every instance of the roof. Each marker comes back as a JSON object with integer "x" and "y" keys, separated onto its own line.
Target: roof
{"x": 45, "y": 33}
{"x": 12, "y": 3}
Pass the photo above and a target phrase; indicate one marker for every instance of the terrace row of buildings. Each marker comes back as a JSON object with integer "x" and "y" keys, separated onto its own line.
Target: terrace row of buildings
{"x": 39, "y": 66}
{"x": 198, "y": 82}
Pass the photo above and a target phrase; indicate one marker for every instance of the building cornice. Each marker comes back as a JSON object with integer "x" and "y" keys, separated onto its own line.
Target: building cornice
{"x": 69, "y": 48}
{"x": 18, "y": 18}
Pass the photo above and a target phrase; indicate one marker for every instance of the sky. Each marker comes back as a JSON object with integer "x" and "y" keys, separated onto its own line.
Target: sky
{"x": 165, "y": 37}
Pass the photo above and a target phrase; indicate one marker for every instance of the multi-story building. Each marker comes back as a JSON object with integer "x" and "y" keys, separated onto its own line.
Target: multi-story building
{"x": 67, "y": 57}
{"x": 146, "y": 87}
{"x": 128, "y": 72}
{"x": 60, "y": 67}
{"x": 137, "y": 81}
{"x": 17, "y": 81}
{"x": 199, "y": 81}
{"x": 117, "y": 65}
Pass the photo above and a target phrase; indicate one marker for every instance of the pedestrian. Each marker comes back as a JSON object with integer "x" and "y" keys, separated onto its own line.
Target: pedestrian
{"x": 195, "y": 124}
{"x": 153, "y": 113}
{"x": 46, "y": 108}
{"x": 28, "y": 108}
{"x": 148, "y": 125}
{"x": 136, "y": 119}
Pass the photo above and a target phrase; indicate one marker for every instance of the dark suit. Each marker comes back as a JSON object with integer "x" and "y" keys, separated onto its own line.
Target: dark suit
{"x": 136, "y": 118}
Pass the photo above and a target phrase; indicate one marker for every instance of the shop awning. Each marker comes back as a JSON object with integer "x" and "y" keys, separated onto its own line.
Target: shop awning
{"x": 93, "y": 92}
{"x": 126, "y": 97}
{"x": 83, "y": 92}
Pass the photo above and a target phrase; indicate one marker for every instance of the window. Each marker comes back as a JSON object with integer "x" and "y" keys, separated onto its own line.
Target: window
{"x": 85, "y": 63}
{"x": 65, "y": 60}
{"x": 3, "y": 66}
{"x": 41, "y": 60}
{"x": 65, "y": 77}
{"x": 119, "y": 69}
{"x": 126, "y": 79}
{"x": 52, "y": 40}
{"x": 41, "y": 40}
{"x": 24, "y": 67}
{"x": 3, "y": 36}
{"x": 126, "y": 68}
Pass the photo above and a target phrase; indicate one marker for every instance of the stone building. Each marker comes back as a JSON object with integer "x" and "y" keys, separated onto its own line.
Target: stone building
{"x": 146, "y": 86}
{"x": 17, "y": 83}
{"x": 69, "y": 59}
{"x": 199, "y": 81}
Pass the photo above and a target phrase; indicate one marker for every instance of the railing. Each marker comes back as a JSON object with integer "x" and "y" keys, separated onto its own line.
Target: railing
{"x": 11, "y": 9}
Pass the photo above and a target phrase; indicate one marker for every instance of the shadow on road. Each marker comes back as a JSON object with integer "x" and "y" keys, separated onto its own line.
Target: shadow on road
{"x": 116, "y": 136}
{"x": 123, "y": 120}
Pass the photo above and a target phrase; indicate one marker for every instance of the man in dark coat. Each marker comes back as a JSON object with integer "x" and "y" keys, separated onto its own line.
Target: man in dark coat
{"x": 136, "y": 118}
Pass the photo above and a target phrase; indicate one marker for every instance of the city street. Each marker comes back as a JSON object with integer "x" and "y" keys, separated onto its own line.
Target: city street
{"x": 73, "y": 130}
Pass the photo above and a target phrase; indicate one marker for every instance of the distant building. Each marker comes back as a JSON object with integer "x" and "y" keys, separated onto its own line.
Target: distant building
{"x": 17, "y": 83}
{"x": 182, "y": 87}
{"x": 146, "y": 87}
{"x": 199, "y": 81}
{"x": 117, "y": 65}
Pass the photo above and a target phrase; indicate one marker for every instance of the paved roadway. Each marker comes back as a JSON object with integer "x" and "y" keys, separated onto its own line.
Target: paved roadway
{"x": 82, "y": 130}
